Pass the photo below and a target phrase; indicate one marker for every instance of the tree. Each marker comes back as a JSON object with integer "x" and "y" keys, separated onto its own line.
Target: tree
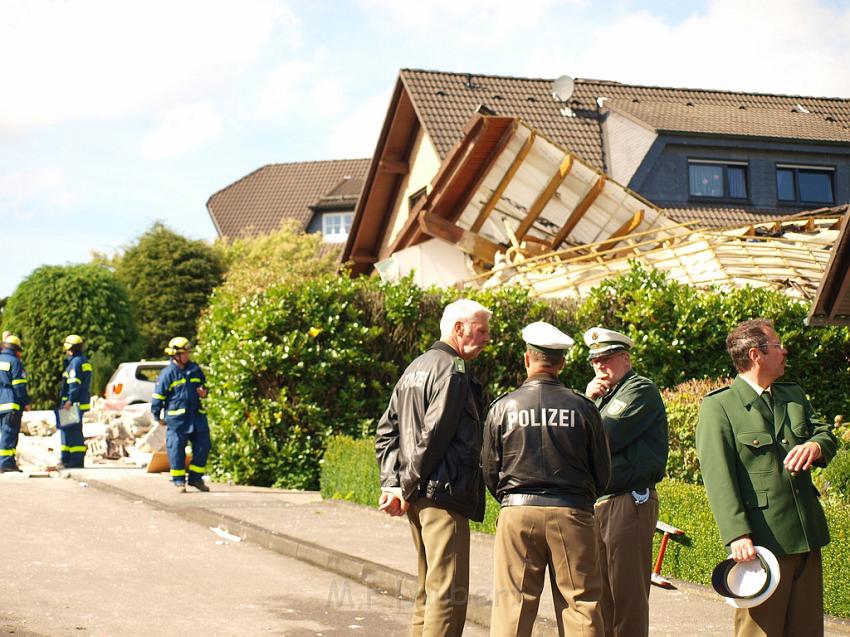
{"x": 284, "y": 256}
{"x": 169, "y": 279}
{"x": 55, "y": 301}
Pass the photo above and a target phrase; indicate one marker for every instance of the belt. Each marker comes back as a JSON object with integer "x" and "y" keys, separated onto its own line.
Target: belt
{"x": 538, "y": 500}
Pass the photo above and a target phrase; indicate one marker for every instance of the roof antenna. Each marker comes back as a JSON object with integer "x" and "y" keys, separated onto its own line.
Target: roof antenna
{"x": 469, "y": 83}
{"x": 562, "y": 91}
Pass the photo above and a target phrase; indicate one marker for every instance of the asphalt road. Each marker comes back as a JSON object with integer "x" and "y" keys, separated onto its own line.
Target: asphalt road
{"x": 78, "y": 561}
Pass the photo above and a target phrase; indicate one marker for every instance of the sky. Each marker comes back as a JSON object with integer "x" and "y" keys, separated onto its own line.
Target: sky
{"x": 116, "y": 114}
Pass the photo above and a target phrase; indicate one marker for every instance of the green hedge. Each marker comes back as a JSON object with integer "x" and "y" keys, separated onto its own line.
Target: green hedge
{"x": 350, "y": 472}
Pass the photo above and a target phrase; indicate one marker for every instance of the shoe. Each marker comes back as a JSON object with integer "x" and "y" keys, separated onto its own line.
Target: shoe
{"x": 15, "y": 469}
{"x": 181, "y": 488}
{"x": 199, "y": 485}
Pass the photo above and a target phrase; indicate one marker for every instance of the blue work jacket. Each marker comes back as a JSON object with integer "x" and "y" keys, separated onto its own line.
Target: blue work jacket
{"x": 13, "y": 382}
{"x": 76, "y": 382}
{"x": 176, "y": 394}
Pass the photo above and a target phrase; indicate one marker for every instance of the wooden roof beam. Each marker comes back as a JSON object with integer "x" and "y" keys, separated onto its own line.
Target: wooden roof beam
{"x": 626, "y": 229}
{"x": 393, "y": 166}
{"x": 579, "y": 211}
{"x": 488, "y": 207}
{"x": 470, "y": 242}
{"x": 545, "y": 197}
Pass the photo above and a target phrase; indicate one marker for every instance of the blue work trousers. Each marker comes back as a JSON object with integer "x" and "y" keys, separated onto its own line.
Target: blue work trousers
{"x": 10, "y": 427}
{"x": 73, "y": 446}
{"x": 175, "y": 444}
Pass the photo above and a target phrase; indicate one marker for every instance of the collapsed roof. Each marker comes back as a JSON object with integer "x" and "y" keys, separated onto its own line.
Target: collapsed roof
{"x": 526, "y": 211}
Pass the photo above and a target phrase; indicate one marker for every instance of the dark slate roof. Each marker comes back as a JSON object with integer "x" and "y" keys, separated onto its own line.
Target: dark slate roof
{"x": 258, "y": 202}
{"x": 733, "y": 121}
{"x": 444, "y": 102}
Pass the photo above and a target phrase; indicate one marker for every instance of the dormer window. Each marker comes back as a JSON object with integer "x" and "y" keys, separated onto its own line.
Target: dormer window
{"x": 336, "y": 226}
{"x": 711, "y": 179}
{"x": 804, "y": 184}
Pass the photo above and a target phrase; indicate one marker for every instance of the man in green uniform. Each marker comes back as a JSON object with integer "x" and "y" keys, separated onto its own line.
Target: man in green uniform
{"x": 635, "y": 423}
{"x": 756, "y": 441}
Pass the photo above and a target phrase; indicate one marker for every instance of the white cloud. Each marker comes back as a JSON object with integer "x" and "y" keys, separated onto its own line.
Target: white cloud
{"x": 302, "y": 88}
{"x": 777, "y": 46}
{"x": 63, "y": 60}
{"x": 25, "y": 195}
{"x": 356, "y": 135}
{"x": 182, "y": 129}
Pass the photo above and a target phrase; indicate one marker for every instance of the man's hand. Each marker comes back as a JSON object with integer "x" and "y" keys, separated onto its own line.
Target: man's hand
{"x": 391, "y": 502}
{"x": 162, "y": 422}
{"x": 27, "y": 407}
{"x": 67, "y": 405}
{"x": 598, "y": 387}
{"x": 801, "y": 457}
{"x": 202, "y": 392}
{"x": 743, "y": 549}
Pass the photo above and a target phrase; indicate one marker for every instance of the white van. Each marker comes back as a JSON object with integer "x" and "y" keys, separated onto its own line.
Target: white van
{"x": 133, "y": 382}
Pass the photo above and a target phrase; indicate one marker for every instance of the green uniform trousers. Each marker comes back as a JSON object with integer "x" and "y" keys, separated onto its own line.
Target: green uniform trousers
{"x": 528, "y": 540}
{"x": 626, "y": 530}
{"x": 796, "y": 607}
{"x": 441, "y": 539}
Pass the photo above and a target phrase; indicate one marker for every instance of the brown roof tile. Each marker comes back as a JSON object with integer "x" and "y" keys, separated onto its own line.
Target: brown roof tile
{"x": 729, "y": 120}
{"x": 258, "y": 202}
{"x": 444, "y": 102}
{"x": 721, "y": 217}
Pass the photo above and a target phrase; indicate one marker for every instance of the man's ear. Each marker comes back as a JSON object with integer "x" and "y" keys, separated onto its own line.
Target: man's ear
{"x": 527, "y": 359}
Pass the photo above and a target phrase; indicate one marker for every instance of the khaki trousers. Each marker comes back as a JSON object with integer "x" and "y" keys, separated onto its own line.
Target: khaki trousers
{"x": 626, "y": 529}
{"x": 530, "y": 538}
{"x": 796, "y": 607}
{"x": 441, "y": 539}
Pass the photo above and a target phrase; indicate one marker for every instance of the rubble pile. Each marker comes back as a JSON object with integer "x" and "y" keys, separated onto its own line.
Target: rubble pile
{"x": 112, "y": 432}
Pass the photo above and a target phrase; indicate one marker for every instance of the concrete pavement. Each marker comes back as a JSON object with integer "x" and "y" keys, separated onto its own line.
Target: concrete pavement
{"x": 374, "y": 549}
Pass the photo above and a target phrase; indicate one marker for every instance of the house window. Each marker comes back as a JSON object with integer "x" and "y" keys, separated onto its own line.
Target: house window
{"x": 717, "y": 180}
{"x": 804, "y": 184}
{"x": 336, "y": 225}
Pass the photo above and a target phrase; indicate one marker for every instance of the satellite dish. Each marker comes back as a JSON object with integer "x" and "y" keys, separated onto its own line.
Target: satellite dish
{"x": 562, "y": 88}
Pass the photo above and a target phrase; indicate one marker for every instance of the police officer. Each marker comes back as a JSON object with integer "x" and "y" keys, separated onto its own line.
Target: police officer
{"x": 757, "y": 441}
{"x": 428, "y": 447}
{"x": 545, "y": 458}
{"x": 635, "y": 422}
{"x": 178, "y": 392}
{"x": 13, "y": 399}
{"x": 76, "y": 395}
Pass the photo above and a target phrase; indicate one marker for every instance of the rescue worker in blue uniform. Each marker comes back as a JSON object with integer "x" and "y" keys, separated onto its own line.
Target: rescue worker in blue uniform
{"x": 75, "y": 394}
{"x": 178, "y": 392}
{"x": 13, "y": 400}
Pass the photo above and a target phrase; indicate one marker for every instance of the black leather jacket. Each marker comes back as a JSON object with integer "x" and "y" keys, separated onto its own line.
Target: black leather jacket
{"x": 429, "y": 439}
{"x": 545, "y": 439}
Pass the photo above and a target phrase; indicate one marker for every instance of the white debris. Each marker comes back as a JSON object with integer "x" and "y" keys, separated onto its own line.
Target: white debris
{"x": 225, "y": 535}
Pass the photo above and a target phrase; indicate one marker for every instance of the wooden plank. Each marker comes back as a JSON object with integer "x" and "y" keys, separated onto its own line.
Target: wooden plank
{"x": 626, "y": 229}
{"x": 488, "y": 208}
{"x": 470, "y": 242}
{"x": 393, "y": 166}
{"x": 582, "y": 207}
{"x": 545, "y": 196}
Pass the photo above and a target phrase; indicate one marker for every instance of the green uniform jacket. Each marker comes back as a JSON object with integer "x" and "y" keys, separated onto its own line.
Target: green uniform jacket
{"x": 741, "y": 446}
{"x": 635, "y": 423}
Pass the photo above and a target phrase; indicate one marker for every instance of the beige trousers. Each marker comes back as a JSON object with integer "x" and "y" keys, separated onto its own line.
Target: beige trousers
{"x": 441, "y": 539}
{"x": 626, "y": 529}
{"x": 528, "y": 540}
{"x": 796, "y": 607}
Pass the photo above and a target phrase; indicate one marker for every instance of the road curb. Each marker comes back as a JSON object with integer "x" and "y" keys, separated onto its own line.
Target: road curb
{"x": 376, "y": 576}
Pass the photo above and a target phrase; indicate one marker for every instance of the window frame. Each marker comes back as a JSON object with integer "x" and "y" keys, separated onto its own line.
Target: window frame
{"x": 337, "y": 237}
{"x": 796, "y": 169}
{"x": 724, "y": 164}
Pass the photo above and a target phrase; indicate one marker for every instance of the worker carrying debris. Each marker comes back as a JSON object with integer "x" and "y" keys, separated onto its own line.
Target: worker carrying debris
{"x": 75, "y": 400}
{"x": 13, "y": 399}
{"x": 178, "y": 392}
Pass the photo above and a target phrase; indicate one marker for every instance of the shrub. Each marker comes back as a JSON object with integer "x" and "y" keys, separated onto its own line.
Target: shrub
{"x": 55, "y": 301}
{"x": 682, "y": 403}
{"x": 836, "y": 476}
{"x": 169, "y": 279}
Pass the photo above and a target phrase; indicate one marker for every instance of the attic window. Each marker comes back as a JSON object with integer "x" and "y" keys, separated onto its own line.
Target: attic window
{"x": 635, "y": 100}
{"x": 689, "y": 104}
{"x": 799, "y": 108}
{"x": 530, "y": 98}
{"x": 498, "y": 97}
{"x": 742, "y": 107}
{"x": 336, "y": 226}
{"x": 440, "y": 92}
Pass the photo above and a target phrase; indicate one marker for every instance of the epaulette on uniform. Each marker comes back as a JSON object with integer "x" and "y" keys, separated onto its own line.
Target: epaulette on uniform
{"x": 459, "y": 365}
{"x": 716, "y": 391}
{"x": 499, "y": 397}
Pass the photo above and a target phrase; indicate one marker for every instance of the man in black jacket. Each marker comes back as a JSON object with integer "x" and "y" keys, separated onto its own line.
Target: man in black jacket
{"x": 545, "y": 458}
{"x": 428, "y": 446}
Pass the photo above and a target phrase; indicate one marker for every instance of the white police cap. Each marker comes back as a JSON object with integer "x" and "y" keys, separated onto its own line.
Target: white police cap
{"x": 603, "y": 342}
{"x": 747, "y": 584}
{"x": 546, "y": 338}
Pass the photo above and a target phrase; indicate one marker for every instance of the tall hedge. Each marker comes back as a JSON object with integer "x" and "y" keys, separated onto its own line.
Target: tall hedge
{"x": 55, "y": 301}
{"x": 169, "y": 279}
